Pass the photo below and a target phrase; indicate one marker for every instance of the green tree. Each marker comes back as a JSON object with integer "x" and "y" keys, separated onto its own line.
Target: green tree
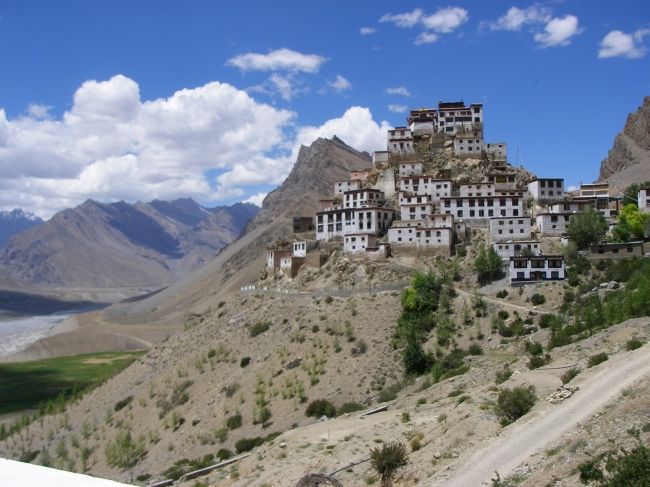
{"x": 125, "y": 452}
{"x": 586, "y": 228}
{"x": 488, "y": 265}
{"x": 631, "y": 222}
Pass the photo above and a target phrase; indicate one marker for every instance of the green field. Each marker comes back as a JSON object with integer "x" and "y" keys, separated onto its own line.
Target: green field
{"x": 26, "y": 385}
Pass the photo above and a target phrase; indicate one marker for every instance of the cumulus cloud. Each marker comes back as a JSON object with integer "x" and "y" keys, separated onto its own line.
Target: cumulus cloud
{"x": 446, "y": 20}
{"x": 397, "y": 108}
{"x": 620, "y": 44}
{"x": 364, "y": 31}
{"x": 278, "y": 60}
{"x": 398, "y": 90}
{"x": 37, "y": 110}
{"x": 111, "y": 145}
{"x": 340, "y": 84}
{"x": 515, "y": 18}
{"x": 426, "y": 38}
{"x": 443, "y": 21}
{"x": 558, "y": 31}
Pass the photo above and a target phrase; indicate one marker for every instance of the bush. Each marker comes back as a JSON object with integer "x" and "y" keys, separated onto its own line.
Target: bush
{"x": 536, "y": 361}
{"x": 534, "y": 348}
{"x": 234, "y": 422}
{"x": 328, "y": 299}
{"x": 546, "y": 321}
{"x": 475, "y": 349}
{"x": 259, "y": 328}
{"x": 244, "y": 362}
{"x": 123, "y": 403}
{"x": 349, "y": 407}
{"x": 321, "y": 407}
{"x": 247, "y": 444}
{"x": 387, "y": 460}
{"x": 503, "y": 314}
{"x": 597, "y": 359}
{"x": 512, "y": 404}
{"x": 415, "y": 359}
{"x": 618, "y": 468}
{"x": 488, "y": 265}
{"x": 633, "y": 344}
{"x": 502, "y": 375}
{"x": 569, "y": 375}
{"x": 125, "y": 451}
{"x": 224, "y": 454}
{"x": 537, "y": 299}
{"x": 502, "y": 294}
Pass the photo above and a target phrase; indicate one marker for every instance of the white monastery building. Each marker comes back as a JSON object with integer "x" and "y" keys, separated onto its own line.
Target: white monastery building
{"x": 544, "y": 190}
{"x": 536, "y": 268}
{"x": 503, "y": 229}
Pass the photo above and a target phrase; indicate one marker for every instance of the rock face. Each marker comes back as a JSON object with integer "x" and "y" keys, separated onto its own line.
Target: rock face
{"x": 16, "y": 221}
{"x": 317, "y": 168}
{"x": 628, "y": 161}
{"x": 120, "y": 245}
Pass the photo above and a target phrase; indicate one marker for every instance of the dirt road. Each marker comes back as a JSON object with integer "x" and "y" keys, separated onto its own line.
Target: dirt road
{"x": 546, "y": 426}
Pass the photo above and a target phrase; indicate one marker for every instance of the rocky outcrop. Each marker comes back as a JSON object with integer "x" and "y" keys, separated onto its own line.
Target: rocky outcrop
{"x": 122, "y": 245}
{"x": 628, "y": 160}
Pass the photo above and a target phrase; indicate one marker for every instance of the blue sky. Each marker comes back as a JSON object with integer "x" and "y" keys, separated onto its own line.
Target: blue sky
{"x": 557, "y": 79}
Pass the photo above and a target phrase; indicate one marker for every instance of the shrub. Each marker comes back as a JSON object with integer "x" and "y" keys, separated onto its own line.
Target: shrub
{"x": 234, "y": 421}
{"x": 125, "y": 451}
{"x": 548, "y": 320}
{"x": 259, "y": 328}
{"x": 633, "y": 344}
{"x": 349, "y": 407}
{"x": 321, "y": 407}
{"x": 387, "y": 460}
{"x": 475, "y": 349}
{"x": 537, "y": 299}
{"x": 512, "y": 404}
{"x": 534, "y": 348}
{"x": 569, "y": 375}
{"x": 488, "y": 265}
{"x": 599, "y": 358}
{"x": 536, "y": 361}
{"x": 503, "y": 314}
{"x": 247, "y": 444}
{"x": 502, "y": 375}
{"x": 123, "y": 403}
{"x": 224, "y": 454}
{"x": 414, "y": 358}
{"x": 328, "y": 299}
{"x": 244, "y": 362}
{"x": 618, "y": 468}
{"x": 502, "y": 294}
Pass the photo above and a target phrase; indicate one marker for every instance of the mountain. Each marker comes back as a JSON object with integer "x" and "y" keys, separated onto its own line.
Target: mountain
{"x": 122, "y": 245}
{"x": 628, "y": 161}
{"x": 15, "y": 221}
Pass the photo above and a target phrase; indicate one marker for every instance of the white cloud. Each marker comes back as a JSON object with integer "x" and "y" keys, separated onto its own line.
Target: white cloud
{"x": 282, "y": 85}
{"x": 425, "y": 38}
{"x": 408, "y": 19}
{"x": 111, "y": 145}
{"x": 559, "y": 31}
{"x": 515, "y": 18}
{"x": 278, "y": 60}
{"x": 256, "y": 199}
{"x": 397, "y": 108}
{"x": 340, "y": 84}
{"x": 446, "y": 20}
{"x": 364, "y": 31}
{"x": 620, "y": 44}
{"x": 398, "y": 90}
{"x": 39, "y": 111}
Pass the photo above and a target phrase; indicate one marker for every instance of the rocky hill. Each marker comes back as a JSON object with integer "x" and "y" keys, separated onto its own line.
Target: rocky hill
{"x": 122, "y": 245}
{"x": 628, "y": 161}
{"x": 16, "y": 221}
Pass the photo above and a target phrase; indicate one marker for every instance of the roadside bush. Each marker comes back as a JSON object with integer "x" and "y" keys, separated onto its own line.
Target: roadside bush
{"x": 181, "y": 467}
{"x": 123, "y": 403}
{"x": 234, "y": 421}
{"x": 534, "y": 348}
{"x": 321, "y": 407}
{"x": 569, "y": 375}
{"x": 247, "y": 444}
{"x": 259, "y": 328}
{"x": 537, "y": 299}
{"x": 512, "y": 404}
{"x": 633, "y": 344}
{"x": 502, "y": 294}
{"x": 387, "y": 459}
{"x": 503, "y": 314}
{"x": 618, "y": 468}
{"x": 244, "y": 362}
{"x": 475, "y": 349}
{"x": 125, "y": 451}
{"x": 536, "y": 361}
{"x": 349, "y": 407}
{"x": 599, "y": 358}
{"x": 224, "y": 454}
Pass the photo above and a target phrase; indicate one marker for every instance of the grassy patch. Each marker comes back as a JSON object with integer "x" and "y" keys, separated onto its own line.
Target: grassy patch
{"x": 25, "y": 385}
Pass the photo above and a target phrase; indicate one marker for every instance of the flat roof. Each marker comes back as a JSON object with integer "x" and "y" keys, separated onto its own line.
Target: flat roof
{"x": 537, "y": 257}
{"x": 362, "y": 190}
{"x": 431, "y": 178}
